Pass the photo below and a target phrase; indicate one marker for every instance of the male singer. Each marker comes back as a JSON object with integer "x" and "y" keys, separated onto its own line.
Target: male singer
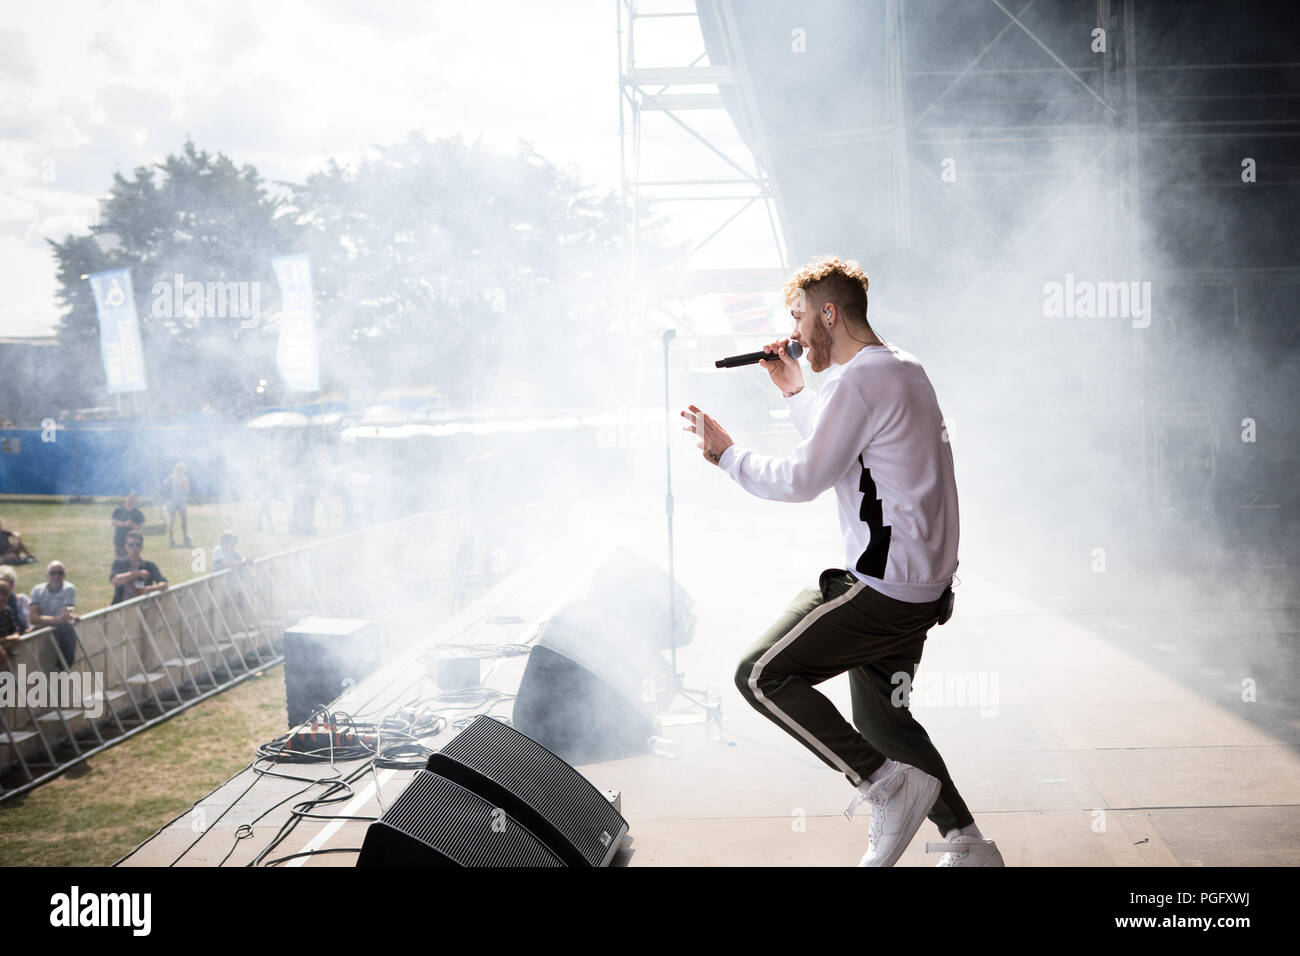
{"x": 875, "y": 434}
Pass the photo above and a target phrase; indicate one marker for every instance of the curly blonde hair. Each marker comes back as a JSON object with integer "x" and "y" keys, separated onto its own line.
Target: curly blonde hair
{"x": 831, "y": 279}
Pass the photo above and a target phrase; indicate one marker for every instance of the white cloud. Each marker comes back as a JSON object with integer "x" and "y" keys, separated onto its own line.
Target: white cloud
{"x": 282, "y": 86}
{"x": 14, "y": 209}
{"x": 28, "y": 288}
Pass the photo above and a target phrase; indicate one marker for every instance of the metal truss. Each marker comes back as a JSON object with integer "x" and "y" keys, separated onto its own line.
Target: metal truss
{"x": 674, "y": 93}
{"x": 1111, "y": 141}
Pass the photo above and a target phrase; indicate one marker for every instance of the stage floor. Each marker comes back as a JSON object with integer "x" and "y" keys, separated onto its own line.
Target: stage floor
{"x": 1102, "y": 734}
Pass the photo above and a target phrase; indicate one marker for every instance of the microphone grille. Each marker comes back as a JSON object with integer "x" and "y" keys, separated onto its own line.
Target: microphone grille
{"x": 794, "y": 350}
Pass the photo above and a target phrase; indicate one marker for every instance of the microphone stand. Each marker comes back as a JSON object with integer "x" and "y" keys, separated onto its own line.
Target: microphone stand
{"x": 681, "y": 688}
{"x": 668, "y": 336}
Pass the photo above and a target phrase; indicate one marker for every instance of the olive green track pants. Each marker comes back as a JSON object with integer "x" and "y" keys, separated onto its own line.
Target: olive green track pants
{"x": 845, "y": 625}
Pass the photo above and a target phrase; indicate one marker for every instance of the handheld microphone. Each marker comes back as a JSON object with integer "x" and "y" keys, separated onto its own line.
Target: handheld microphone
{"x": 793, "y": 349}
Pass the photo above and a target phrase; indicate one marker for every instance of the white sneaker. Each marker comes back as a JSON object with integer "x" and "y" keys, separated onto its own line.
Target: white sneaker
{"x": 899, "y": 804}
{"x": 963, "y": 850}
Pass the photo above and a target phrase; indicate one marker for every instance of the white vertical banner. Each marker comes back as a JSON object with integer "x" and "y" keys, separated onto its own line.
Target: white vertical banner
{"x": 297, "y": 355}
{"x": 119, "y": 331}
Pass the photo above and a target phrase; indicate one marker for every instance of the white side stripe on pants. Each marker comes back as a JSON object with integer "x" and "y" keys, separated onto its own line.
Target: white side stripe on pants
{"x": 809, "y": 619}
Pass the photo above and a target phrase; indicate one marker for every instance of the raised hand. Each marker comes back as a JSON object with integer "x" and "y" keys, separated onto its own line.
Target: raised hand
{"x": 714, "y": 439}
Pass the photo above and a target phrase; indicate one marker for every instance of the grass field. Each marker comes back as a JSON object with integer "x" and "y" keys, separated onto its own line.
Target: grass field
{"x": 104, "y": 807}
{"x": 107, "y": 805}
{"x": 81, "y": 536}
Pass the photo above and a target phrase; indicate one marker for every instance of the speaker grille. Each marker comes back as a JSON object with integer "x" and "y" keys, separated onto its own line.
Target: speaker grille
{"x": 559, "y": 793}
{"x": 460, "y": 825}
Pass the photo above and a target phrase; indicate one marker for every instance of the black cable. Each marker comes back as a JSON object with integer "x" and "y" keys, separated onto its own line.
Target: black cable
{"x": 405, "y": 753}
{"x": 204, "y": 831}
{"x": 243, "y": 831}
{"x": 291, "y": 824}
{"x": 403, "y": 757}
{"x": 406, "y": 726}
{"x": 239, "y": 831}
{"x": 303, "y": 810}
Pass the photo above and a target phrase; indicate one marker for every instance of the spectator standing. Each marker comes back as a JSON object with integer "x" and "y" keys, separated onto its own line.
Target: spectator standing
{"x": 132, "y": 576}
{"x": 302, "y": 512}
{"x": 126, "y": 517}
{"x": 265, "y": 493}
{"x": 178, "y": 495}
{"x": 52, "y": 604}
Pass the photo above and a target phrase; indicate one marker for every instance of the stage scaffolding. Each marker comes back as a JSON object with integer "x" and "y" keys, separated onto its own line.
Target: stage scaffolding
{"x": 1039, "y": 106}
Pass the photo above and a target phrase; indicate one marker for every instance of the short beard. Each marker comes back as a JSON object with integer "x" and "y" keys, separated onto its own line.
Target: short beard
{"x": 822, "y": 344}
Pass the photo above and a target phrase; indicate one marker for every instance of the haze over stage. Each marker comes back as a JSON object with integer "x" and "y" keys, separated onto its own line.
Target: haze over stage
{"x": 1111, "y": 728}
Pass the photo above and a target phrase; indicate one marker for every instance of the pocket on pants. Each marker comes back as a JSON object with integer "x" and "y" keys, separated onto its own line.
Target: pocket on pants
{"x": 835, "y": 582}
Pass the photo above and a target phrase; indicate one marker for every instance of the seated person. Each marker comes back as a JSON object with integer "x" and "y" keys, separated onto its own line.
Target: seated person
{"x": 18, "y": 603}
{"x": 12, "y": 549}
{"x": 8, "y": 626}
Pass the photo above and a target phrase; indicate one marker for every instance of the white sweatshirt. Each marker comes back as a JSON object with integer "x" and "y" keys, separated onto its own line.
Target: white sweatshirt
{"x": 875, "y": 434}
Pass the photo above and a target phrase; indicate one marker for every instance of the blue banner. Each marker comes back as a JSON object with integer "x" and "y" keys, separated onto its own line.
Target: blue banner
{"x": 297, "y": 354}
{"x": 119, "y": 332}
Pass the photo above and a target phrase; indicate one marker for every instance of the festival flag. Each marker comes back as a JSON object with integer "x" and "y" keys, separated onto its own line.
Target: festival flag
{"x": 297, "y": 354}
{"x": 119, "y": 331}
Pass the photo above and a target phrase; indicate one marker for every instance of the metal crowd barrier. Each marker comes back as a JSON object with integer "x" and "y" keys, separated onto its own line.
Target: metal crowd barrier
{"x": 143, "y": 661}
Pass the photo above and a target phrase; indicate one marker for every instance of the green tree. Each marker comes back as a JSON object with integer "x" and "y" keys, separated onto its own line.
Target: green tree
{"x": 197, "y": 215}
{"x": 449, "y": 264}
{"x": 434, "y": 263}
{"x": 78, "y": 331}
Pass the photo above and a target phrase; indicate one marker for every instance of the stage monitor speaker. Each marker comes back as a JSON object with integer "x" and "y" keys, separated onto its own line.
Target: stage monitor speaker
{"x": 587, "y": 692}
{"x": 323, "y": 656}
{"x": 535, "y": 787}
{"x": 633, "y": 590}
{"x": 437, "y": 822}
